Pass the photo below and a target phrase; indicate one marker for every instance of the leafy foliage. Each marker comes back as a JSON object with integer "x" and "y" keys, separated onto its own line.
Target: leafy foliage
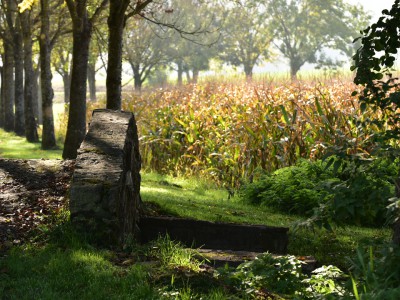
{"x": 326, "y": 280}
{"x": 280, "y": 274}
{"x": 375, "y": 272}
{"x": 374, "y": 66}
{"x": 283, "y": 275}
{"x": 351, "y": 194}
{"x": 297, "y": 189}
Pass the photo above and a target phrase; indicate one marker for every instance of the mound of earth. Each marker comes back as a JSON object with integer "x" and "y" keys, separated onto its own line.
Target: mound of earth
{"x": 31, "y": 191}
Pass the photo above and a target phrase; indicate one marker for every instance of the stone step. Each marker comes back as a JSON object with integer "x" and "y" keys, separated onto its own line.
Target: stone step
{"x": 210, "y": 235}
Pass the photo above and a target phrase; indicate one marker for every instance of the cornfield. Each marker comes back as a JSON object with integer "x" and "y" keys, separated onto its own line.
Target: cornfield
{"x": 229, "y": 132}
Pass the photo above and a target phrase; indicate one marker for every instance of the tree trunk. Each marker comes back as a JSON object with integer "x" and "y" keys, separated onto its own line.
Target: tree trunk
{"x": 116, "y": 24}
{"x": 30, "y": 122}
{"x": 7, "y": 92}
{"x": 294, "y": 68}
{"x": 137, "y": 79}
{"x": 1, "y": 96}
{"x": 19, "y": 126}
{"x": 195, "y": 75}
{"x": 188, "y": 79}
{"x": 180, "y": 73}
{"x": 92, "y": 81}
{"x": 76, "y": 128}
{"x": 67, "y": 86}
{"x": 48, "y": 136}
{"x": 37, "y": 96}
{"x": 248, "y": 71}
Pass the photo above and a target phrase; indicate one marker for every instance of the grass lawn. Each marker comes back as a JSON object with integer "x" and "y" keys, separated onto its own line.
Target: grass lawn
{"x": 13, "y": 146}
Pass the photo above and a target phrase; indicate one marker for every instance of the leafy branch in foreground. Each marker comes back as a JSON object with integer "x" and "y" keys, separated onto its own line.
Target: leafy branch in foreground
{"x": 374, "y": 66}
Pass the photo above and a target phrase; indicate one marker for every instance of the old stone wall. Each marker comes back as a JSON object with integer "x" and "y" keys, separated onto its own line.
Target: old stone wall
{"x": 105, "y": 199}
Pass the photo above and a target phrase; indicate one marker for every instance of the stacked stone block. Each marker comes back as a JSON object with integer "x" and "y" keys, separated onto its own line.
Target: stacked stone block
{"x": 105, "y": 199}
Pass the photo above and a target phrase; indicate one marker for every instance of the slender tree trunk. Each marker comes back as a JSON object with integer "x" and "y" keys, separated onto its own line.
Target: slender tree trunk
{"x": 37, "y": 102}
{"x": 248, "y": 71}
{"x": 137, "y": 78}
{"x": 19, "y": 127}
{"x": 8, "y": 87}
{"x": 116, "y": 24}
{"x": 48, "y": 136}
{"x": 30, "y": 122}
{"x": 92, "y": 81}
{"x": 76, "y": 128}
{"x": 67, "y": 86}
{"x": 294, "y": 68}
{"x": 180, "y": 73}
{"x": 2, "y": 114}
{"x": 188, "y": 79}
{"x": 40, "y": 99}
{"x": 195, "y": 75}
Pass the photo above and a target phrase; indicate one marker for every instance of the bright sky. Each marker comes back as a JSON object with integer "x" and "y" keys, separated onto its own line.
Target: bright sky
{"x": 374, "y": 6}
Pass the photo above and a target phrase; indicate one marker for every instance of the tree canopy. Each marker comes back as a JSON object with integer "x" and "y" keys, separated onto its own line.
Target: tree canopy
{"x": 303, "y": 29}
{"x": 246, "y": 35}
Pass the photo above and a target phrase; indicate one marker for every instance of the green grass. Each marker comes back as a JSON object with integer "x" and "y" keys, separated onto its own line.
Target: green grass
{"x": 13, "y": 146}
{"x": 198, "y": 199}
{"x": 53, "y": 273}
{"x": 61, "y": 265}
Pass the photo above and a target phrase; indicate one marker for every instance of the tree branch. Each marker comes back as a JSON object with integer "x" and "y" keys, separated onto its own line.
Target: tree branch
{"x": 98, "y": 11}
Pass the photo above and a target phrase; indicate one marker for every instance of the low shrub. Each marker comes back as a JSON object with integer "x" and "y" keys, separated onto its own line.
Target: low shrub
{"x": 296, "y": 189}
{"x": 349, "y": 193}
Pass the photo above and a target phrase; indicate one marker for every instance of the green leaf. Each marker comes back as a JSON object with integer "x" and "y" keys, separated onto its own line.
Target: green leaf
{"x": 378, "y": 76}
{"x": 336, "y": 166}
{"x": 355, "y": 289}
{"x": 319, "y": 108}
{"x": 330, "y": 162}
{"x": 285, "y": 114}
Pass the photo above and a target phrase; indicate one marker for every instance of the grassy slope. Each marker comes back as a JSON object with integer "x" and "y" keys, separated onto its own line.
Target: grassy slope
{"x": 200, "y": 200}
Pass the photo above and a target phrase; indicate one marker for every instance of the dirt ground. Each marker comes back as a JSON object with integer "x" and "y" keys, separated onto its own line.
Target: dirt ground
{"x": 31, "y": 191}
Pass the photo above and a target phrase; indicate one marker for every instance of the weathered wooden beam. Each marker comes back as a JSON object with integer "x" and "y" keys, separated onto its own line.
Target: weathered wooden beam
{"x": 223, "y": 236}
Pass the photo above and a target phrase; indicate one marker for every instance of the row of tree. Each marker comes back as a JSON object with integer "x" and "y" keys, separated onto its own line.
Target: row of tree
{"x": 245, "y": 34}
{"x": 73, "y": 36}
